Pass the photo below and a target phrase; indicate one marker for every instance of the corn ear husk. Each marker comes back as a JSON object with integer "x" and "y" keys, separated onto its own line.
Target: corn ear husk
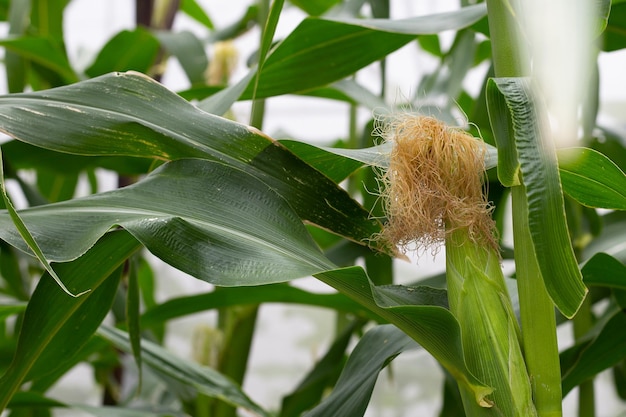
{"x": 479, "y": 299}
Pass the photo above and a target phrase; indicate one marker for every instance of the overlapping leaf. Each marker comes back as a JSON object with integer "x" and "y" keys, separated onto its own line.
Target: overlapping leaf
{"x": 129, "y": 114}
{"x": 208, "y": 219}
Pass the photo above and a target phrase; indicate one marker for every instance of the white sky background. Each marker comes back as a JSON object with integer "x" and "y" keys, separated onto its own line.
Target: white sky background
{"x": 289, "y": 339}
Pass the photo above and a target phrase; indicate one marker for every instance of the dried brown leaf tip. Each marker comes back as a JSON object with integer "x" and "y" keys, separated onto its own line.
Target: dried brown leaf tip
{"x": 434, "y": 184}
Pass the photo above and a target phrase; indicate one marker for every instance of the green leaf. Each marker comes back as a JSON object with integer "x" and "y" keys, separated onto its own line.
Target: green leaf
{"x": 374, "y": 351}
{"x": 319, "y": 52}
{"x": 605, "y": 271}
{"x": 55, "y": 325}
{"x": 45, "y": 52}
{"x": 592, "y": 179}
{"x": 603, "y": 347}
{"x": 228, "y": 297}
{"x": 128, "y": 50}
{"x": 197, "y": 215}
{"x": 203, "y": 379}
{"x": 192, "y": 9}
{"x": 432, "y": 326}
{"x": 129, "y": 114}
{"x": 189, "y": 51}
{"x": 522, "y": 148}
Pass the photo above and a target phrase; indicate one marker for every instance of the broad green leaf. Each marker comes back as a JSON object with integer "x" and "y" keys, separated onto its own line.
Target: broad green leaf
{"x": 602, "y": 348}
{"x": 131, "y": 115}
{"x": 523, "y": 148}
{"x": 128, "y": 50}
{"x": 203, "y": 379}
{"x": 189, "y": 51}
{"x": 605, "y": 271}
{"x": 374, "y": 351}
{"x": 42, "y": 51}
{"x": 192, "y": 9}
{"x": 228, "y": 297}
{"x": 199, "y": 216}
{"x": 56, "y": 325}
{"x": 432, "y": 326}
{"x": 319, "y": 52}
{"x": 592, "y": 179}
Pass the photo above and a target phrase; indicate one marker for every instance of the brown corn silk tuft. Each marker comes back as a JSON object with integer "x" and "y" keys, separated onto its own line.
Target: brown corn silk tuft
{"x": 433, "y": 185}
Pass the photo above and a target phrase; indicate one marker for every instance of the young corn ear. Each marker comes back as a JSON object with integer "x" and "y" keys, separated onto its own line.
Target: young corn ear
{"x": 434, "y": 195}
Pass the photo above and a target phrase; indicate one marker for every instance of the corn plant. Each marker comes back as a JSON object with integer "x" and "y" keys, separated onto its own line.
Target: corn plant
{"x": 228, "y": 204}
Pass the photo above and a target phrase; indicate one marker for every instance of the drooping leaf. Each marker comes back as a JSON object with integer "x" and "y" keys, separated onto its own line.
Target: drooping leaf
{"x": 200, "y": 378}
{"x": 129, "y": 114}
{"x": 56, "y": 325}
{"x": 197, "y": 215}
{"x": 592, "y": 179}
{"x": 522, "y": 148}
{"x": 374, "y": 351}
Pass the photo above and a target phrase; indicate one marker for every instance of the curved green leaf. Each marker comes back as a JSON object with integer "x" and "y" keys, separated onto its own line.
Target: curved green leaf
{"x": 523, "y": 148}
{"x": 605, "y": 271}
{"x": 203, "y": 379}
{"x": 353, "y": 390}
{"x": 592, "y": 179}
{"x": 319, "y": 52}
{"x": 426, "y": 321}
{"x": 129, "y": 114}
{"x": 199, "y": 216}
{"x": 56, "y": 325}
